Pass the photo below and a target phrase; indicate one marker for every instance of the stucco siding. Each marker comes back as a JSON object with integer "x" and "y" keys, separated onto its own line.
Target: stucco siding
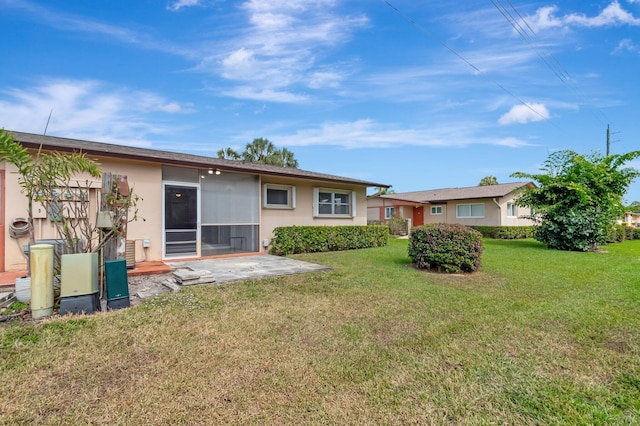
{"x": 303, "y": 213}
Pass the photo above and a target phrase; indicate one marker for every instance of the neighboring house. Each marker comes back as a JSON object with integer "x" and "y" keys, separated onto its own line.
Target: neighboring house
{"x": 631, "y": 219}
{"x": 192, "y": 205}
{"x": 490, "y": 205}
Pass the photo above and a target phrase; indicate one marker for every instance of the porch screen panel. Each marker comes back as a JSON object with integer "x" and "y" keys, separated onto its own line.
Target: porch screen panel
{"x": 230, "y": 214}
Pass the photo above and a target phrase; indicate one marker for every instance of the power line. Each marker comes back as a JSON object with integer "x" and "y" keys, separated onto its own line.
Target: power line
{"x": 528, "y": 34}
{"x": 465, "y": 60}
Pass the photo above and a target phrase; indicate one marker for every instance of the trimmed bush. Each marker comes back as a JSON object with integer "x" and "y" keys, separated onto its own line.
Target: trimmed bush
{"x": 446, "y": 247}
{"x": 636, "y": 233}
{"x": 628, "y": 232}
{"x": 311, "y": 239}
{"x": 505, "y": 232}
{"x": 617, "y": 234}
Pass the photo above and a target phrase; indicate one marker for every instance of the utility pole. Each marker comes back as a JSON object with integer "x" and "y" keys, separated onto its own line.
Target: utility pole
{"x": 608, "y": 140}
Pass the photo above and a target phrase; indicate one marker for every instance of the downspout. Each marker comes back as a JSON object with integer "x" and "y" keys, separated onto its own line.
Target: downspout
{"x": 499, "y": 210}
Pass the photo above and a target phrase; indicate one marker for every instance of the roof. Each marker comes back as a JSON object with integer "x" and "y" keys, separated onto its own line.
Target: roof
{"x": 53, "y": 143}
{"x": 433, "y": 196}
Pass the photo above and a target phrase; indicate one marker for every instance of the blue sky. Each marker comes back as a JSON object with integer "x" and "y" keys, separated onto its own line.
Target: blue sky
{"x": 418, "y": 95}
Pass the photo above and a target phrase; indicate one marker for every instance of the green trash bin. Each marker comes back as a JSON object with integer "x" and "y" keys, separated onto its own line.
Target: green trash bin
{"x": 117, "y": 284}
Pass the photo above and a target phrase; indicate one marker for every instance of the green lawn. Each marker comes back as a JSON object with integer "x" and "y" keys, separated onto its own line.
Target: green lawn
{"x": 537, "y": 337}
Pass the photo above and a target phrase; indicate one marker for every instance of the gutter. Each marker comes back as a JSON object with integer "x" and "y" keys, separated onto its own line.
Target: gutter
{"x": 500, "y": 210}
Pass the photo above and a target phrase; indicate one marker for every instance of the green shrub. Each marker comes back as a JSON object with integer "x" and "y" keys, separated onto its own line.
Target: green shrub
{"x": 636, "y": 233}
{"x": 310, "y": 239}
{"x": 617, "y": 234}
{"x": 397, "y": 225}
{"x": 446, "y": 247}
{"x": 579, "y": 229}
{"x": 628, "y": 232}
{"x": 505, "y": 232}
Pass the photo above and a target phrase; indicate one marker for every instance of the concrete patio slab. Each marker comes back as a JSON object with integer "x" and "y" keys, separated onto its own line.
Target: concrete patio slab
{"x": 248, "y": 267}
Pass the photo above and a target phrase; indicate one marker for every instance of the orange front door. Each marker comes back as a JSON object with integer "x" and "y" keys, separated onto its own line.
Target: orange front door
{"x": 418, "y": 216}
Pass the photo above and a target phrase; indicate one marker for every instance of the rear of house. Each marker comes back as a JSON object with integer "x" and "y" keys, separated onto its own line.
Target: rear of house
{"x": 490, "y": 205}
{"x": 191, "y": 206}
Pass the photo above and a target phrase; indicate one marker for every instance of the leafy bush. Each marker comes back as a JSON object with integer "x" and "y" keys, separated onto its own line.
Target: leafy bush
{"x": 310, "y": 239}
{"x": 446, "y": 247}
{"x": 505, "y": 232}
{"x": 581, "y": 229}
{"x": 617, "y": 234}
{"x": 636, "y": 233}
{"x": 397, "y": 225}
{"x": 628, "y": 232}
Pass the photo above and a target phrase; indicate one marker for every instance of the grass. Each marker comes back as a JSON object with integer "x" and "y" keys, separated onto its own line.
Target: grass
{"x": 537, "y": 337}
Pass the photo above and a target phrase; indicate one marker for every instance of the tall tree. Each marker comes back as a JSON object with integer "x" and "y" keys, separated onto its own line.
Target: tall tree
{"x": 229, "y": 154}
{"x": 488, "y": 180}
{"x": 262, "y": 151}
{"x": 578, "y": 198}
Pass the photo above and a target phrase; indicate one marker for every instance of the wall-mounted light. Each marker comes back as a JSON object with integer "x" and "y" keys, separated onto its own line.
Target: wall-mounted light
{"x": 178, "y": 195}
{"x": 218, "y": 171}
{"x": 210, "y": 171}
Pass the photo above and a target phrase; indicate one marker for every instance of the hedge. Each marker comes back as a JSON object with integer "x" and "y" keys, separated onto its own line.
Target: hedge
{"x": 505, "y": 232}
{"x": 311, "y": 239}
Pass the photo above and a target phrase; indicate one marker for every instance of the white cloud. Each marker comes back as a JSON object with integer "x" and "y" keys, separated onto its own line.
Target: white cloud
{"x": 612, "y": 15}
{"x": 367, "y": 133}
{"x": 626, "y": 45}
{"x": 270, "y": 95}
{"x": 282, "y": 47}
{"x": 524, "y": 114}
{"x": 87, "y": 25}
{"x": 179, "y": 4}
{"x": 87, "y": 109}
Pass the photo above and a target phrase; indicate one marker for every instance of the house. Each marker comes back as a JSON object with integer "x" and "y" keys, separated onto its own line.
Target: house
{"x": 490, "y": 205}
{"x": 192, "y": 206}
{"x": 630, "y": 219}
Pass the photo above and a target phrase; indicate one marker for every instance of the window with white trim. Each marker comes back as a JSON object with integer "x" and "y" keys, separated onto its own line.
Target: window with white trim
{"x": 512, "y": 210}
{"x": 435, "y": 210}
{"x": 278, "y": 196}
{"x": 333, "y": 202}
{"x": 389, "y": 212}
{"x": 469, "y": 211}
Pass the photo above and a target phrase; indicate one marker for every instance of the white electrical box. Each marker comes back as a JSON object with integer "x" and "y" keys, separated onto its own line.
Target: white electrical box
{"x": 146, "y": 243}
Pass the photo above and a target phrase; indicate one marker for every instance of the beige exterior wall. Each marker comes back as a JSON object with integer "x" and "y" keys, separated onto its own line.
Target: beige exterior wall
{"x": 302, "y": 215}
{"x": 495, "y": 212}
{"x": 145, "y": 179}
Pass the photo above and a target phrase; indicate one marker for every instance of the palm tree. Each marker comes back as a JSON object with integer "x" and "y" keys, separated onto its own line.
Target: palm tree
{"x": 229, "y": 154}
{"x": 488, "y": 180}
{"x": 261, "y": 151}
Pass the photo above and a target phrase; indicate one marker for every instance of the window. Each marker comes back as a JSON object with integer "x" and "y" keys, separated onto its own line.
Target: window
{"x": 389, "y": 212}
{"x": 436, "y": 209}
{"x": 278, "y": 196}
{"x": 469, "y": 210}
{"x": 332, "y": 202}
{"x": 512, "y": 210}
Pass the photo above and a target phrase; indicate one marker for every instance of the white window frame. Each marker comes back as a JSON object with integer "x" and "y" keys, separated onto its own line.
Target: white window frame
{"x": 470, "y": 215}
{"x": 436, "y": 210}
{"x": 389, "y": 212}
{"x": 512, "y": 210}
{"x": 316, "y": 202}
{"x": 291, "y": 196}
